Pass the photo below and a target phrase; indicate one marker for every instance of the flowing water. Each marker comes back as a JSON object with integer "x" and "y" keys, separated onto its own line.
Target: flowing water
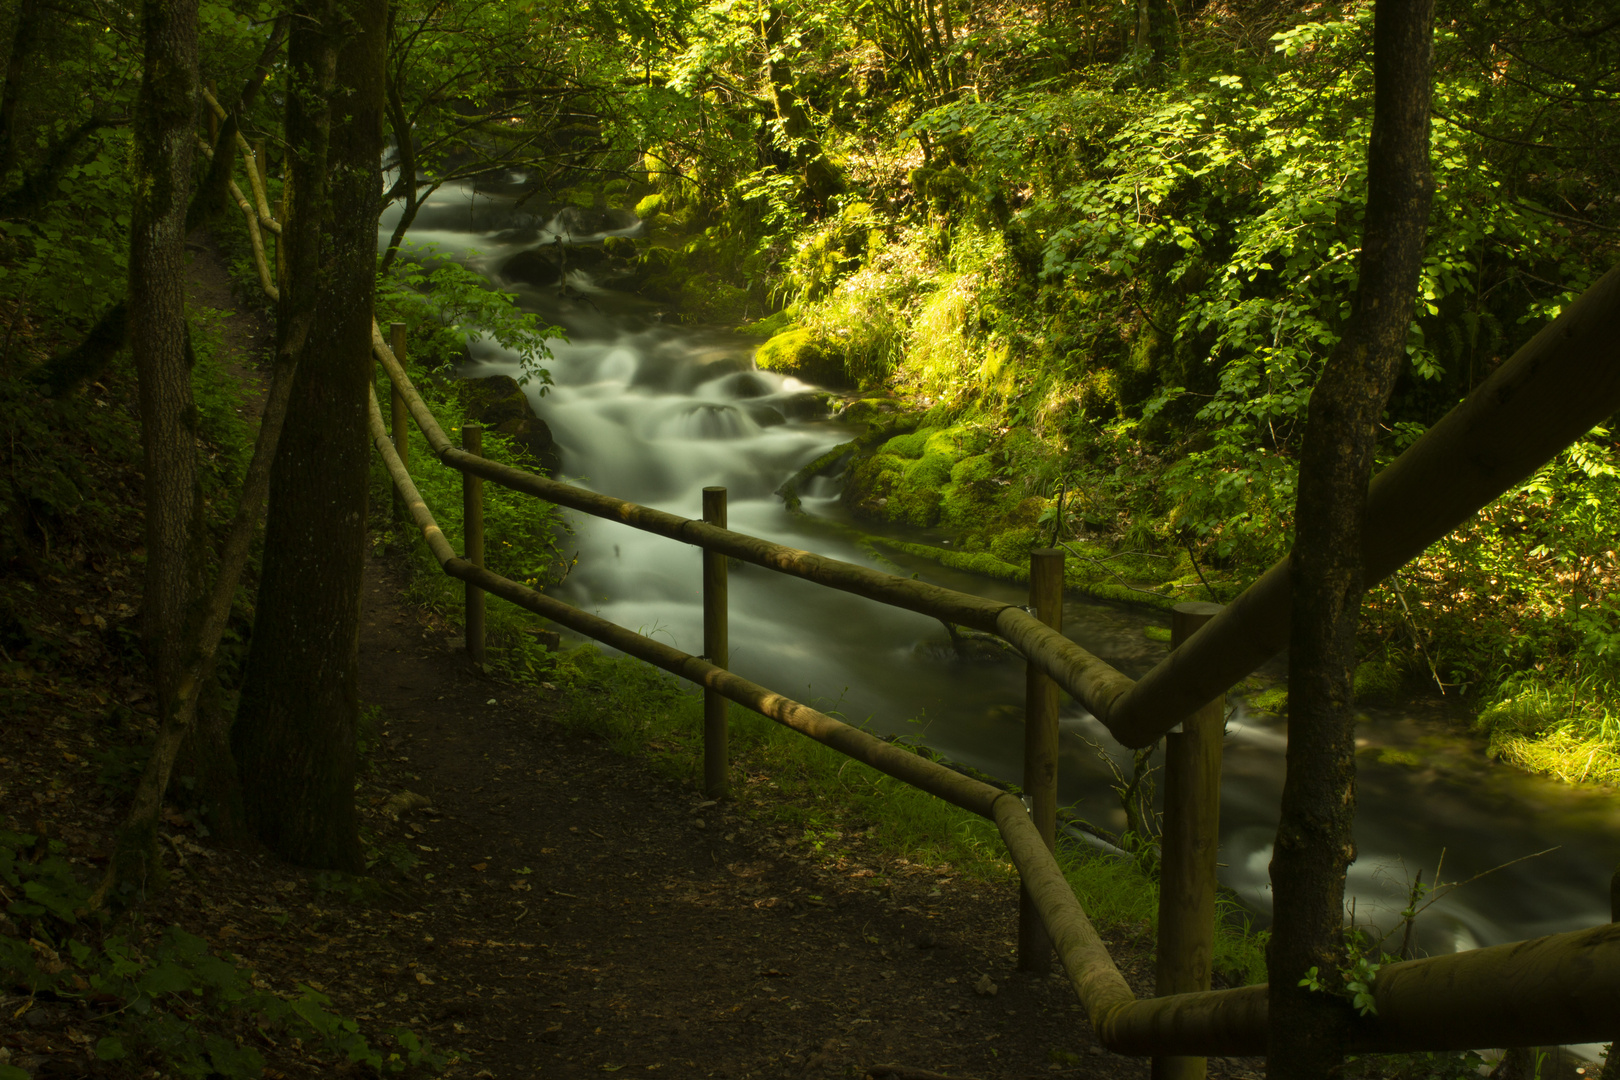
{"x": 654, "y": 412}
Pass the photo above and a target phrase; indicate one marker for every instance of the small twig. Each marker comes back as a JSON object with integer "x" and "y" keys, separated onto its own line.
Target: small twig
{"x": 1415, "y": 894}
{"x": 1187, "y": 542}
{"x": 1400, "y": 594}
{"x": 1111, "y": 570}
{"x": 1057, "y": 518}
{"x": 1445, "y": 890}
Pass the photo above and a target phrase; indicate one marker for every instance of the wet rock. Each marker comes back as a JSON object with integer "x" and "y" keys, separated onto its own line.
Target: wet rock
{"x": 747, "y": 384}
{"x": 585, "y": 221}
{"x": 766, "y": 416}
{"x": 500, "y": 404}
{"x": 808, "y": 406}
{"x": 537, "y": 266}
{"x": 715, "y": 369}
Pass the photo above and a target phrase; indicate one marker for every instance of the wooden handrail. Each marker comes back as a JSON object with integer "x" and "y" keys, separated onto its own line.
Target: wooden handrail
{"x": 1548, "y": 991}
{"x": 1558, "y": 989}
{"x": 1564, "y": 988}
{"x": 1082, "y": 674}
{"x": 1555, "y": 389}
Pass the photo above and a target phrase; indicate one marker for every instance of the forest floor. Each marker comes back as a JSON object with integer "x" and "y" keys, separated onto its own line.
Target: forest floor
{"x": 556, "y": 909}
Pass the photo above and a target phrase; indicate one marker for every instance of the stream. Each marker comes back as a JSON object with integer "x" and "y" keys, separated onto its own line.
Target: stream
{"x": 653, "y": 412}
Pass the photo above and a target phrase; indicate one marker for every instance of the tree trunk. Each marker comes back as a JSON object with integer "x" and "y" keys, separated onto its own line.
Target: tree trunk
{"x": 166, "y": 116}
{"x": 1314, "y": 840}
{"x": 295, "y": 733}
{"x": 30, "y": 17}
{"x": 821, "y": 177}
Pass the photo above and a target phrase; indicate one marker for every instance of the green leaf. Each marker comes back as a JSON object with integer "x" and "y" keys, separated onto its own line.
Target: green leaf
{"x": 107, "y": 1049}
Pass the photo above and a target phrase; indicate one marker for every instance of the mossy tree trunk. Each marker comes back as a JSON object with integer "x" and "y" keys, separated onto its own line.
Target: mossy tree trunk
{"x": 166, "y": 114}
{"x": 296, "y": 725}
{"x": 1315, "y": 845}
{"x": 822, "y": 179}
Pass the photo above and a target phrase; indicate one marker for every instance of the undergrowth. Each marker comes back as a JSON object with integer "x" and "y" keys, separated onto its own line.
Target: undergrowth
{"x": 167, "y": 1001}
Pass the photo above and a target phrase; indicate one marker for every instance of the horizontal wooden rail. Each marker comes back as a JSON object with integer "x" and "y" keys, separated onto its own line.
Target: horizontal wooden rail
{"x": 1085, "y": 676}
{"x": 1549, "y": 991}
{"x": 1555, "y": 389}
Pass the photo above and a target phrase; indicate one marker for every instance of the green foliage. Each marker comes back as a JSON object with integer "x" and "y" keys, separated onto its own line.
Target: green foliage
{"x": 171, "y": 1000}
{"x": 522, "y": 536}
{"x": 445, "y": 307}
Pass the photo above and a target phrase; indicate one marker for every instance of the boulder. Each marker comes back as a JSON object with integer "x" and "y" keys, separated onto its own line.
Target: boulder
{"x": 800, "y": 354}
{"x": 501, "y": 405}
{"x": 586, "y": 221}
{"x": 536, "y": 266}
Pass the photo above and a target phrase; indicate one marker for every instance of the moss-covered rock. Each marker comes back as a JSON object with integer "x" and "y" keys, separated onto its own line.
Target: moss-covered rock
{"x": 912, "y": 445}
{"x": 1014, "y": 545}
{"x": 770, "y": 325}
{"x": 799, "y": 353}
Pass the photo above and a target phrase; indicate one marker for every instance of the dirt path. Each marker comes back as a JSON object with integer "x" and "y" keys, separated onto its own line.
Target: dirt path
{"x": 593, "y": 918}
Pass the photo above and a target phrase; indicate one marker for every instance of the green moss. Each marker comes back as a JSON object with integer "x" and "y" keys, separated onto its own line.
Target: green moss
{"x": 1157, "y": 633}
{"x": 1377, "y": 682}
{"x": 770, "y": 325}
{"x": 1013, "y": 546}
{"x": 1388, "y": 755}
{"x": 650, "y": 207}
{"x": 799, "y": 353}
{"x": 1274, "y": 701}
{"x": 977, "y": 469}
{"x": 981, "y": 562}
{"x": 869, "y": 411}
{"x": 912, "y": 445}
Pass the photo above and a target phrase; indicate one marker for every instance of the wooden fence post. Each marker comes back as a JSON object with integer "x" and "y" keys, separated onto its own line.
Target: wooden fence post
{"x": 1191, "y": 835}
{"x": 717, "y": 648}
{"x": 283, "y": 216}
{"x": 399, "y": 416}
{"x": 262, "y": 163}
{"x": 1611, "y": 1064}
{"x": 472, "y": 519}
{"x": 1040, "y": 748}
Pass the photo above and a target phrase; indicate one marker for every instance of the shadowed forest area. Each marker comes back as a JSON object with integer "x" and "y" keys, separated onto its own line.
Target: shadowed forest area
{"x": 1158, "y": 283}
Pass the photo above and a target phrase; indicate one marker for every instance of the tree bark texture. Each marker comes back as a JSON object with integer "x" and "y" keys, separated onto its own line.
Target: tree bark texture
{"x": 166, "y": 115}
{"x": 1308, "y": 1029}
{"x": 30, "y": 19}
{"x": 295, "y": 733}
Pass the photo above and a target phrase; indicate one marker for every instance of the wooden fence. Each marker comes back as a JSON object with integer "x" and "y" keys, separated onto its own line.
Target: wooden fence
{"x": 1564, "y": 988}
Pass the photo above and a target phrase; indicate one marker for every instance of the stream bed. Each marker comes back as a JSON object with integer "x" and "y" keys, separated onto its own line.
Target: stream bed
{"x": 653, "y": 412}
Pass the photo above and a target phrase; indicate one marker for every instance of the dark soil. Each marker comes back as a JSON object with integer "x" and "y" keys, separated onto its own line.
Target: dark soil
{"x": 555, "y": 909}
